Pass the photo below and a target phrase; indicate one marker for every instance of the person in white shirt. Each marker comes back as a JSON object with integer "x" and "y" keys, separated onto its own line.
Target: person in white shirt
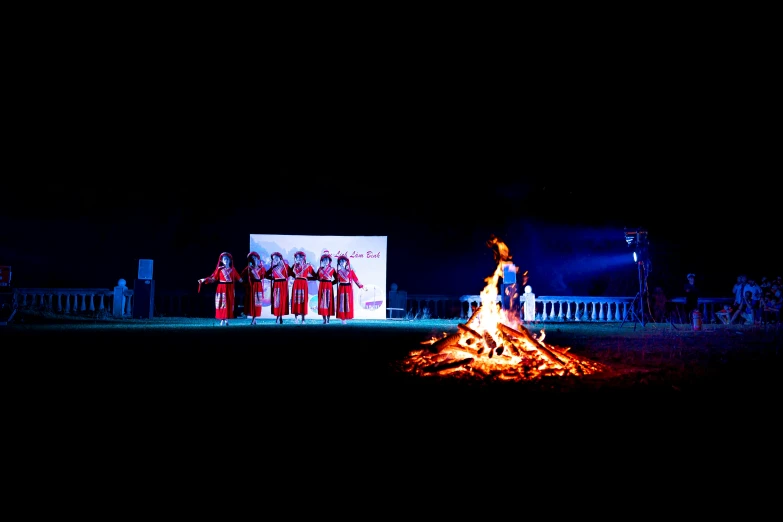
{"x": 745, "y": 311}
{"x": 755, "y": 293}
{"x": 739, "y": 291}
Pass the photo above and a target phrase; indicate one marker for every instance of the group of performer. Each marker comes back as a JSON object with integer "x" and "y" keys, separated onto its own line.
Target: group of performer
{"x": 331, "y": 302}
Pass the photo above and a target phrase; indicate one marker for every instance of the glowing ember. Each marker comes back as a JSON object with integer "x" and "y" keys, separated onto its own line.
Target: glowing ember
{"x": 493, "y": 343}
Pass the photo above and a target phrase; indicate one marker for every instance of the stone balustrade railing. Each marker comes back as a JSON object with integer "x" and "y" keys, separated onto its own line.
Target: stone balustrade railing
{"x": 568, "y": 308}
{"x": 93, "y": 301}
{"x": 97, "y": 301}
{"x": 558, "y": 308}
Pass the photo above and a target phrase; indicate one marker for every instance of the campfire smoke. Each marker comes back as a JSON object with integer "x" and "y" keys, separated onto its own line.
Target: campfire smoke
{"x": 493, "y": 343}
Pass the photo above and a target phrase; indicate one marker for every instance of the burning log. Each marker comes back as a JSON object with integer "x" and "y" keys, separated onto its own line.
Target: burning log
{"x": 468, "y": 349}
{"x": 438, "y": 367}
{"x": 549, "y": 355}
{"x": 444, "y": 342}
{"x": 526, "y": 336}
{"x": 510, "y": 343}
{"x": 511, "y": 347}
{"x": 470, "y": 331}
{"x": 489, "y": 340}
{"x": 517, "y": 334}
{"x": 473, "y": 315}
{"x": 491, "y": 344}
{"x": 478, "y": 371}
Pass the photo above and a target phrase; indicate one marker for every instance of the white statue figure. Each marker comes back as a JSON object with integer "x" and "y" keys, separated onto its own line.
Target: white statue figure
{"x": 530, "y": 304}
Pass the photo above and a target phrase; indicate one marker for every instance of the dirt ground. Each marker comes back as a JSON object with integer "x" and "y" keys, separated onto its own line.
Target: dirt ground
{"x": 166, "y": 400}
{"x": 292, "y": 383}
{"x": 651, "y": 358}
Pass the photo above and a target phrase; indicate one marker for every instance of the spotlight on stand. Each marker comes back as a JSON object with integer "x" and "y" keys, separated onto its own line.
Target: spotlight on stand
{"x": 638, "y": 240}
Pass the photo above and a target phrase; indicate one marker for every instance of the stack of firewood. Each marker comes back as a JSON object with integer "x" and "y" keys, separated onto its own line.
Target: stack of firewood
{"x": 499, "y": 350}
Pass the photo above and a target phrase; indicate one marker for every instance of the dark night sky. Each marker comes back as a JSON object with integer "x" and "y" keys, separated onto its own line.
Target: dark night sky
{"x": 569, "y": 235}
{"x": 178, "y": 170}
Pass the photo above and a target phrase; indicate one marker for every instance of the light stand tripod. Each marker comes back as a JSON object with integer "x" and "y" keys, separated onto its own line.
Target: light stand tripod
{"x": 639, "y": 299}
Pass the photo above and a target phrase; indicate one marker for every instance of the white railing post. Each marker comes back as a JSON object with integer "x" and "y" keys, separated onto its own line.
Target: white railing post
{"x": 128, "y": 304}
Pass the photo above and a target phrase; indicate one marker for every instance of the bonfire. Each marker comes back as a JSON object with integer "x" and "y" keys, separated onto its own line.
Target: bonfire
{"x": 494, "y": 343}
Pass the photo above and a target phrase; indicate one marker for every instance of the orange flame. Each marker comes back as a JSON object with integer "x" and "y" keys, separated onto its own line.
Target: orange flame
{"x": 494, "y": 343}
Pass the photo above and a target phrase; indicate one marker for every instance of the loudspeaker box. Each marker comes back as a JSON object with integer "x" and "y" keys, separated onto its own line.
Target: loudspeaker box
{"x": 143, "y": 298}
{"x": 145, "y": 268}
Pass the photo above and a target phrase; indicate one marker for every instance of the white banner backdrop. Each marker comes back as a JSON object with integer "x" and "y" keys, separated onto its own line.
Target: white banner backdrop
{"x": 366, "y": 253}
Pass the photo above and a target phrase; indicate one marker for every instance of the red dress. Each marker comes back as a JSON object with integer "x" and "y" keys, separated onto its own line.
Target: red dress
{"x": 225, "y": 277}
{"x": 299, "y": 292}
{"x": 345, "y": 278}
{"x": 254, "y": 293}
{"x": 279, "y": 275}
{"x": 326, "y": 279}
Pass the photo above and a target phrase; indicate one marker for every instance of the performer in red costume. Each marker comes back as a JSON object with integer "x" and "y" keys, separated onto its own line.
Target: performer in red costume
{"x": 303, "y": 272}
{"x": 345, "y": 277}
{"x": 225, "y": 275}
{"x": 279, "y": 272}
{"x": 327, "y": 278}
{"x": 253, "y": 274}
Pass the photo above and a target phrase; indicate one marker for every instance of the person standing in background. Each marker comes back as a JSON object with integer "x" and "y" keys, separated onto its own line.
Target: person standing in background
{"x": 302, "y": 272}
{"x": 739, "y": 291}
{"x": 254, "y": 274}
{"x": 745, "y": 309}
{"x": 659, "y": 306}
{"x": 691, "y": 295}
{"x": 225, "y": 275}
{"x": 756, "y": 293}
{"x": 739, "y": 295}
{"x": 279, "y": 272}
{"x": 327, "y": 278}
{"x": 771, "y": 308}
{"x": 346, "y": 277}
